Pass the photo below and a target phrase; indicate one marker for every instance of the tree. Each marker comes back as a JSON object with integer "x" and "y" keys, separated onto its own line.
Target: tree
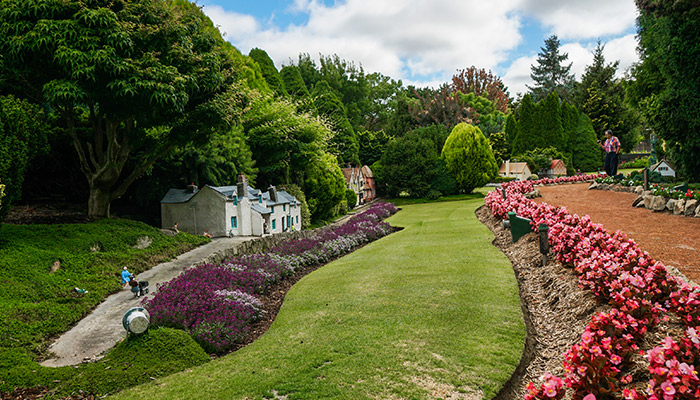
{"x": 511, "y": 130}
{"x": 550, "y": 75}
{"x": 268, "y": 69}
{"x": 130, "y": 80}
{"x": 293, "y": 82}
{"x": 569, "y": 124}
{"x": 343, "y": 144}
{"x": 22, "y": 137}
{"x": 527, "y": 126}
{"x": 441, "y": 106}
{"x": 324, "y": 184}
{"x": 585, "y": 152}
{"x": 469, "y": 158}
{"x": 550, "y": 129}
{"x": 499, "y": 146}
{"x": 602, "y": 98}
{"x": 407, "y": 165}
{"x": 372, "y": 145}
{"x": 482, "y": 83}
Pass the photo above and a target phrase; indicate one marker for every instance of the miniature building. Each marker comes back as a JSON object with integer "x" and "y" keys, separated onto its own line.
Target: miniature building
{"x": 239, "y": 210}
{"x": 557, "y": 168}
{"x": 664, "y": 167}
{"x": 518, "y": 170}
{"x": 361, "y": 181}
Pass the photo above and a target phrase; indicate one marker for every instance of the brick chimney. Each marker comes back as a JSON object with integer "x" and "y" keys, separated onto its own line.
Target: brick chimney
{"x": 191, "y": 188}
{"x": 242, "y": 185}
{"x": 273, "y": 193}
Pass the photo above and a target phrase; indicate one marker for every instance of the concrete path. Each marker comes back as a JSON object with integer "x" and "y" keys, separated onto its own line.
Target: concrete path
{"x": 102, "y": 329}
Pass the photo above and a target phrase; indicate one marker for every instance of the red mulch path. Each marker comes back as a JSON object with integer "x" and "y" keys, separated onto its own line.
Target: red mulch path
{"x": 672, "y": 239}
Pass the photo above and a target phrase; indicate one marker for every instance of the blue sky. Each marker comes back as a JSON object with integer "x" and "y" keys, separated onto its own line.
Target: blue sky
{"x": 424, "y": 43}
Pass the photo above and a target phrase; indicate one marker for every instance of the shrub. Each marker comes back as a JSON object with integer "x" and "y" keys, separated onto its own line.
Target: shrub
{"x": 350, "y": 198}
{"x": 469, "y": 158}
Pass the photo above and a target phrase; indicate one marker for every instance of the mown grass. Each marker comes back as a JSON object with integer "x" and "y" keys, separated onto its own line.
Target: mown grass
{"x": 424, "y": 312}
{"x": 37, "y": 305}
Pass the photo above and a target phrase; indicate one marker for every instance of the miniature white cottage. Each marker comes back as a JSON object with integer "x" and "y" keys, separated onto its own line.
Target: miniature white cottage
{"x": 238, "y": 210}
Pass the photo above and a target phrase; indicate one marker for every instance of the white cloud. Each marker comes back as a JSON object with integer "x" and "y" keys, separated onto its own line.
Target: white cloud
{"x": 583, "y": 19}
{"x": 399, "y": 39}
{"x": 425, "y": 43}
{"x": 518, "y": 75}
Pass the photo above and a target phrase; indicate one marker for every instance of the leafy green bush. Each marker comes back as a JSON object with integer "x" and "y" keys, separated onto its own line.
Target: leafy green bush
{"x": 468, "y": 157}
{"x": 641, "y": 162}
{"x": 350, "y": 198}
{"x": 22, "y": 137}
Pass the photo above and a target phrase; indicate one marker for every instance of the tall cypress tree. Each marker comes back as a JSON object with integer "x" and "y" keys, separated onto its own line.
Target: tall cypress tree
{"x": 293, "y": 82}
{"x": 527, "y": 126}
{"x": 569, "y": 123}
{"x": 268, "y": 69}
{"x": 551, "y": 132}
{"x": 511, "y": 130}
{"x": 550, "y": 74}
{"x": 344, "y": 143}
{"x": 586, "y": 155}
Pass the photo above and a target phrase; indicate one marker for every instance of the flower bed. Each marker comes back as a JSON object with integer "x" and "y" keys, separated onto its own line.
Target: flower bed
{"x": 217, "y": 303}
{"x": 641, "y": 293}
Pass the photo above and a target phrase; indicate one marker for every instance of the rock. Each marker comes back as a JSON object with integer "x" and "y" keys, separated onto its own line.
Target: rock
{"x": 638, "y": 202}
{"x": 690, "y": 206}
{"x": 648, "y": 201}
{"x": 697, "y": 212}
{"x": 55, "y": 266}
{"x": 671, "y": 204}
{"x": 639, "y": 189}
{"x": 679, "y": 207}
{"x": 594, "y": 185}
{"x": 534, "y": 194}
{"x": 658, "y": 203}
{"x": 143, "y": 242}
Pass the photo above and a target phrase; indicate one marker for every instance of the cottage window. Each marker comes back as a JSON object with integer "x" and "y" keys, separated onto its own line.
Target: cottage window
{"x": 260, "y": 198}
{"x": 274, "y": 224}
{"x": 289, "y": 220}
{"x": 235, "y": 200}
{"x": 234, "y": 222}
{"x": 272, "y": 209}
{"x": 284, "y": 207}
{"x": 297, "y": 219}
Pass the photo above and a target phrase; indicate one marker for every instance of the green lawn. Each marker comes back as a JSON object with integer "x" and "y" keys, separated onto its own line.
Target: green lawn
{"x": 426, "y": 311}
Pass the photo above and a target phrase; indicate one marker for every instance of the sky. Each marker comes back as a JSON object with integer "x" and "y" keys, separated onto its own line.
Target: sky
{"x": 426, "y": 42}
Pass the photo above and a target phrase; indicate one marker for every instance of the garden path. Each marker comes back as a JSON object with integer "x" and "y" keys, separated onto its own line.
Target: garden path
{"x": 102, "y": 329}
{"x": 671, "y": 239}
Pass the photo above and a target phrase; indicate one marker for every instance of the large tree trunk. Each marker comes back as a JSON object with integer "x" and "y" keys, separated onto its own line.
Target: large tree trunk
{"x": 99, "y": 203}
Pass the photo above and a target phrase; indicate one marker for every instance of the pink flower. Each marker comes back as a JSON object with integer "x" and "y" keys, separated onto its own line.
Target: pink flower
{"x": 668, "y": 390}
{"x": 587, "y": 337}
{"x": 615, "y": 359}
{"x": 589, "y": 397}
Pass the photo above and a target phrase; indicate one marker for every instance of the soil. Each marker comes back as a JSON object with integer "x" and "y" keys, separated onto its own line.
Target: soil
{"x": 672, "y": 239}
{"x": 47, "y": 213}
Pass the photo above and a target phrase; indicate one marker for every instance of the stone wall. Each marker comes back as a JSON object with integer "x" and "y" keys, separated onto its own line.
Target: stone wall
{"x": 259, "y": 245}
{"x": 685, "y": 207}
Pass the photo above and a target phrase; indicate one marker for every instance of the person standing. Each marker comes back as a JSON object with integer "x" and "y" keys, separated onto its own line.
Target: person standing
{"x": 126, "y": 276}
{"x": 612, "y": 149}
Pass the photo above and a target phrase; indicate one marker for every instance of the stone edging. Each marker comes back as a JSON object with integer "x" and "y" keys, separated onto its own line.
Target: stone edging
{"x": 685, "y": 207}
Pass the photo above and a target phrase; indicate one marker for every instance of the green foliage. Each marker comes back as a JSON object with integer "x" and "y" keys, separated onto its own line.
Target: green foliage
{"x": 295, "y": 190}
{"x": 670, "y": 53}
{"x": 372, "y": 146}
{"x": 641, "y": 162}
{"x": 499, "y": 146}
{"x": 407, "y": 165}
{"x": 157, "y": 353}
{"x": 511, "y": 130}
{"x": 469, "y": 158}
{"x": 344, "y": 143}
{"x": 435, "y": 133}
{"x": 324, "y": 185}
{"x": 540, "y": 159}
{"x": 585, "y": 153}
{"x": 441, "y": 180}
{"x": 527, "y": 126}
{"x": 551, "y": 132}
{"x": 129, "y": 82}
{"x": 441, "y": 106}
{"x": 569, "y": 124}
{"x": 22, "y": 137}
{"x": 293, "y": 82}
{"x": 268, "y": 69}
{"x": 350, "y": 198}
{"x": 550, "y": 75}
{"x": 486, "y": 116}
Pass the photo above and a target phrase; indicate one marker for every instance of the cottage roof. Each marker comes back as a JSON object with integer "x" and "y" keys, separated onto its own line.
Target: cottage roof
{"x": 557, "y": 162}
{"x": 515, "y": 167}
{"x": 178, "y": 196}
{"x": 348, "y": 173}
{"x": 663, "y": 161}
{"x": 367, "y": 172}
{"x": 260, "y": 209}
